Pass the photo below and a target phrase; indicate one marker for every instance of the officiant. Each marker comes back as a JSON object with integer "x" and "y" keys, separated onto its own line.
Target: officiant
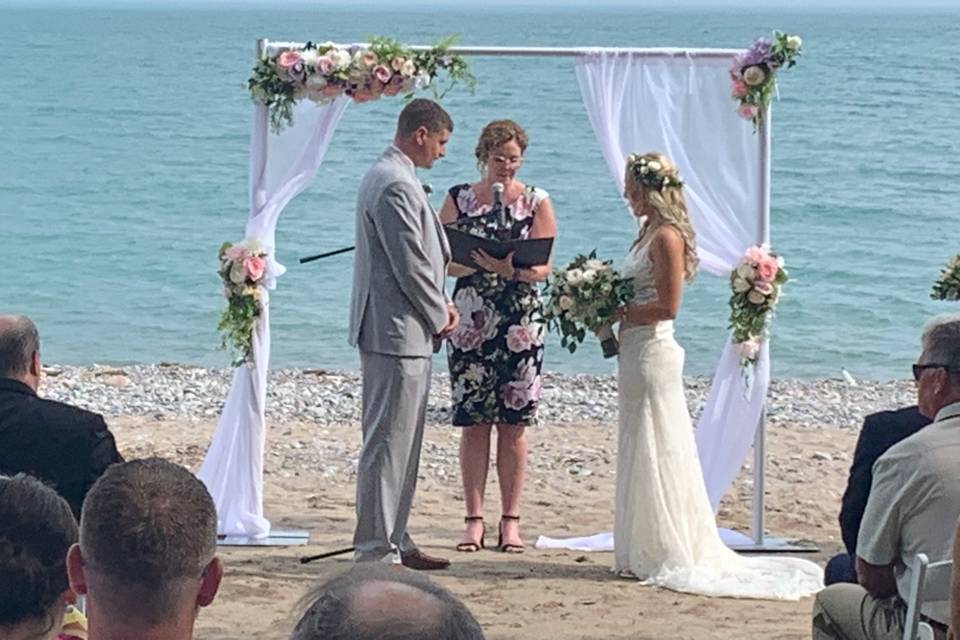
{"x": 496, "y": 353}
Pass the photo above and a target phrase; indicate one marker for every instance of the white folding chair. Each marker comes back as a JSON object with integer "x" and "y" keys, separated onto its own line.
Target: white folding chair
{"x": 929, "y": 583}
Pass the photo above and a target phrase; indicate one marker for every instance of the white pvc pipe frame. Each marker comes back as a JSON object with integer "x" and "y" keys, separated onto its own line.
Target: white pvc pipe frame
{"x": 763, "y": 195}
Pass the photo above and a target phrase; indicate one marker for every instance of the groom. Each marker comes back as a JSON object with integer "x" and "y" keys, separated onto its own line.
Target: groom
{"x": 398, "y": 312}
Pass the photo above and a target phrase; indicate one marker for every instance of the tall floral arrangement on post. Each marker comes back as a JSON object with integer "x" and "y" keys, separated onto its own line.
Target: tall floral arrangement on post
{"x": 756, "y": 282}
{"x": 947, "y": 286}
{"x": 753, "y": 73}
{"x": 242, "y": 269}
{"x": 322, "y": 72}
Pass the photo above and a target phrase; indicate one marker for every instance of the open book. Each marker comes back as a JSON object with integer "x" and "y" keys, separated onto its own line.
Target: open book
{"x": 526, "y": 253}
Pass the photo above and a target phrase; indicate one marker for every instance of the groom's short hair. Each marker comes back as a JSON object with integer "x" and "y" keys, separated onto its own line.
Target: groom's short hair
{"x": 421, "y": 112}
{"x": 376, "y": 601}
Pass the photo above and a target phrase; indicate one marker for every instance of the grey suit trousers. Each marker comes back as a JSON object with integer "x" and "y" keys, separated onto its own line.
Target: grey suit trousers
{"x": 395, "y": 391}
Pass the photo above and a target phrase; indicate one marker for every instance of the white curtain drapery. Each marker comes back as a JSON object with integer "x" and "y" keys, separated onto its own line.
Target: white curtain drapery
{"x": 681, "y": 106}
{"x": 281, "y": 166}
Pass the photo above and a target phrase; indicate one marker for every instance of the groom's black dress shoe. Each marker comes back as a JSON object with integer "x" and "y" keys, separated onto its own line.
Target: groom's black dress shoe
{"x": 420, "y": 561}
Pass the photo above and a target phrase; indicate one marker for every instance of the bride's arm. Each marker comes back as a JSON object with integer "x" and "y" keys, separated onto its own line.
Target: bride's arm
{"x": 667, "y": 255}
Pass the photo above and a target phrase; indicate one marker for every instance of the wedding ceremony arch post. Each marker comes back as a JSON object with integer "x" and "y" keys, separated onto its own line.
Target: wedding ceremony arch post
{"x": 637, "y": 99}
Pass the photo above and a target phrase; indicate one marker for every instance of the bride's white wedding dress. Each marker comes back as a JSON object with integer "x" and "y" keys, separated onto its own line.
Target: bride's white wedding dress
{"x": 664, "y": 528}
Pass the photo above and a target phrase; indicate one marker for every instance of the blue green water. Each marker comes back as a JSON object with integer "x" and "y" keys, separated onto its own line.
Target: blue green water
{"x": 123, "y": 164}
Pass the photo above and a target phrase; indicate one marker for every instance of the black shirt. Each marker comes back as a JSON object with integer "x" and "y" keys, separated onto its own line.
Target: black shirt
{"x": 65, "y": 446}
{"x": 880, "y": 431}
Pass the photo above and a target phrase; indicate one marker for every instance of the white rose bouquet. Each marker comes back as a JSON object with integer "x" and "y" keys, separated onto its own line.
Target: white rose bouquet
{"x": 584, "y": 296}
{"x": 947, "y": 286}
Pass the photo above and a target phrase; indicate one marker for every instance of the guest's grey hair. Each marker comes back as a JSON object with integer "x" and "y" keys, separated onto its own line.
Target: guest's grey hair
{"x": 941, "y": 343}
{"x": 376, "y": 601}
{"x": 19, "y": 340}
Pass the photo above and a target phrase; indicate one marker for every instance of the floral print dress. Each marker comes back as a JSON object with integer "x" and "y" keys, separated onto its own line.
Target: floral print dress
{"x": 496, "y": 352}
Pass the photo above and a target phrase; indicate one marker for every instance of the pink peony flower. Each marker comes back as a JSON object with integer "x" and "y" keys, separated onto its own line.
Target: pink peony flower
{"x": 748, "y": 349}
{"x": 369, "y": 58}
{"x": 397, "y": 63}
{"x": 524, "y": 388}
{"x": 254, "y": 267}
{"x": 755, "y": 255}
{"x": 767, "y": 269}
{"x": 740, "y": 88}
{"x": 324, "y": 65}
{"x": 236, "y": 253}
{"x": 763, "y": 287}
{"x": 748, "y": 111}
{"x": 520, "y": 338}
{"x": 478, "y": 320}
{"x": 382, "y": 74}
{"x": 288, "y": 59}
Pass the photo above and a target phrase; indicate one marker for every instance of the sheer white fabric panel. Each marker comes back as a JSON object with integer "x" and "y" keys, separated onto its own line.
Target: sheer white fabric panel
{"x": 681, "y": 106}
{"x": 281, "y": 166}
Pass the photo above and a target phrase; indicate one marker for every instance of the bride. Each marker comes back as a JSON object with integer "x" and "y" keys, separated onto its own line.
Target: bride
{"x": 664, "y": 528}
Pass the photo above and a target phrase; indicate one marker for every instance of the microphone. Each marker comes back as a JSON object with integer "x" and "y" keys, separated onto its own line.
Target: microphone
{"x": 498, "y": 204}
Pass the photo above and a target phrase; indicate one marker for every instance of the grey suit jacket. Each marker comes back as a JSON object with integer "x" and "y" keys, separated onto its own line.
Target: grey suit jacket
{"x": 399, "y": 269}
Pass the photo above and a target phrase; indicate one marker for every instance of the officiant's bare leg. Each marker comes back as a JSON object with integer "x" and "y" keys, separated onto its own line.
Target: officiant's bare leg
{"x": 474, "y": 463}
{"x": 511, "y": 467}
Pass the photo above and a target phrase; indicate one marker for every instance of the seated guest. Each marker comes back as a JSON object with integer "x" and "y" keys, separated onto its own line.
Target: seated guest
{"x": 36, "y": 529}
{"x": 146, "y": 558}
{"x": 880, "y": 431}
{"x": 65, "y": 446}
{"x": 375, "y": 601}
{"x": 913, "y": 505}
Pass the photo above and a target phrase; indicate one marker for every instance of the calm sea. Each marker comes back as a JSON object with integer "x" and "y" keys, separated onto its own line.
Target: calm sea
{"x": 123, "y": 165}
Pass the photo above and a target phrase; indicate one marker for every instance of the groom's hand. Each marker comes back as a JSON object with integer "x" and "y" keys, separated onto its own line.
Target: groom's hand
{"x": 453, "y": 319}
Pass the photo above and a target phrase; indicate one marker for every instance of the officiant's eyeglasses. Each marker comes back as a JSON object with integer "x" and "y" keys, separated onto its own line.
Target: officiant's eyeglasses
{"x": 918, "y": 369}
{"x": 512, "y": 160}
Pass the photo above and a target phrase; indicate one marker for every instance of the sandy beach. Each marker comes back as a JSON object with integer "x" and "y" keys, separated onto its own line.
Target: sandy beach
{"x": 309, "y": 484}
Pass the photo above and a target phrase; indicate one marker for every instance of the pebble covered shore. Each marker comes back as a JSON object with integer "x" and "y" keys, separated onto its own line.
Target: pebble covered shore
{"x": 169, "y": 391}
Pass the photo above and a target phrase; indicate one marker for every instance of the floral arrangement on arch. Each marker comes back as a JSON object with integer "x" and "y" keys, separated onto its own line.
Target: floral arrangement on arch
{"x": 242, "y": 269}
{"x": 322, "y": 72}
{"x": 753, "y": 73}
{"x": 585, "y": 296}
{"x": 947, "y": 286}
{"x": 756, "y": 282}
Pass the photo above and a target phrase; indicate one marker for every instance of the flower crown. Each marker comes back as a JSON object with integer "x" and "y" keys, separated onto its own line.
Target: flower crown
{"x": 646, "y": 172}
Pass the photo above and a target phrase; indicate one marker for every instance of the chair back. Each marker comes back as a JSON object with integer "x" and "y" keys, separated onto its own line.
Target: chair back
{"x": 930, "y": 582}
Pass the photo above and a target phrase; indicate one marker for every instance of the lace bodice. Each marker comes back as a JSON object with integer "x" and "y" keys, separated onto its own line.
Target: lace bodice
{"x": 637, "y": 264}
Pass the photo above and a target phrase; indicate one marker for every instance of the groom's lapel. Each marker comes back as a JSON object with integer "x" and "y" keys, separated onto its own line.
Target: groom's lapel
{"x": 441, "y": 234}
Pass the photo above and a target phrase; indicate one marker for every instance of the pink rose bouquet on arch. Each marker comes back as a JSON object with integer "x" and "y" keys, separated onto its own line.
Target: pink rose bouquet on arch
{"x": 752, "y": 74}
{"x": 756, "y": 283}
{"x": 242, "y": 269}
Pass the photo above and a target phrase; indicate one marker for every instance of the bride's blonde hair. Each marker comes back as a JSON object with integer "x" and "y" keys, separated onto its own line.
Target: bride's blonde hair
{"x": 652, "y": 181}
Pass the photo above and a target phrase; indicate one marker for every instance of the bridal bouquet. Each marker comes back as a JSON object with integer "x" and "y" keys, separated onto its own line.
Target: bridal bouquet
{"x": 322, "y": 72}
{"x": 752, "y": 74}
{"x": 584, "y": 296}
{"x": 947, "y": 286}
{"x": 756, "y": 284}
{"x": 242, "y": 269}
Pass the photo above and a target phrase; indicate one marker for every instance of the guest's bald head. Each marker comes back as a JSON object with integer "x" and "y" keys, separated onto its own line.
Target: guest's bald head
{"x": 384, "y": 602}
{"x": 19, "y": 349}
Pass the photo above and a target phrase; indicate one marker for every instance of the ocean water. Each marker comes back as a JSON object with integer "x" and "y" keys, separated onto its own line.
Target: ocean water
{"x": 124, "y": 138}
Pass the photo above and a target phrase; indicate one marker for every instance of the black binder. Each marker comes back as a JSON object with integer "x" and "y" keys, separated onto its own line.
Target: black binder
{"x": 526, "y": 253}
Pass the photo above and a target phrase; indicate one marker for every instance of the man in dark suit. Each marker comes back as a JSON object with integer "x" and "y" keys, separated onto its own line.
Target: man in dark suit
{"x": 880, "y": 431}
{"x": 64, "y": 446}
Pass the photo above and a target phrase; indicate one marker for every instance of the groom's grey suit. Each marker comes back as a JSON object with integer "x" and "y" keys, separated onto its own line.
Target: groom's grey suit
{"x": 397, "y": 307}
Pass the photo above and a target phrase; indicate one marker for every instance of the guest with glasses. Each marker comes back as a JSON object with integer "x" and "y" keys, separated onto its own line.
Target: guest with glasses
{"x": 913, "y": 506}
{"x": 496, "y": 352}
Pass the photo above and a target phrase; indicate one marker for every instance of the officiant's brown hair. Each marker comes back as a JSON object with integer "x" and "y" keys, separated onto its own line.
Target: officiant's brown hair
{"x": 422, "y": 112}
{"x": 496, "y": 134}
